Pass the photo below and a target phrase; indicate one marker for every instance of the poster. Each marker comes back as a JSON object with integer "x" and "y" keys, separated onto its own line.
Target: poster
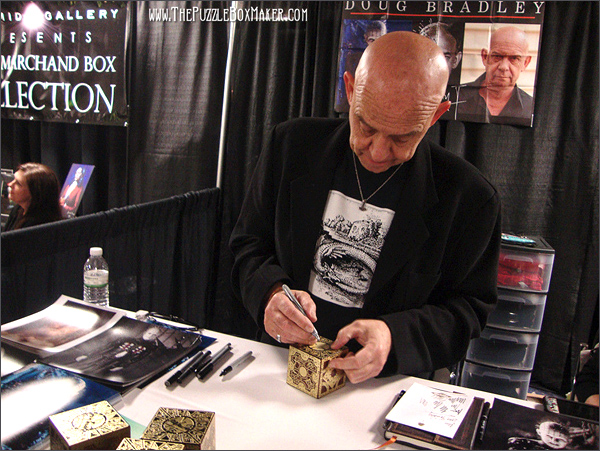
{"x": 50, "y": 390}
{"x": 491, "y": 48}
{"x": 64, "y": 61}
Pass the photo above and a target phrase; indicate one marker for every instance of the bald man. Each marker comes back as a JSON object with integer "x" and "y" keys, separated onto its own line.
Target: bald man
{"x": 388, "y": 241}
{"x": 495, "y": 96}
{"x": 374, "y": 30}
{"x": 439, "y": 32}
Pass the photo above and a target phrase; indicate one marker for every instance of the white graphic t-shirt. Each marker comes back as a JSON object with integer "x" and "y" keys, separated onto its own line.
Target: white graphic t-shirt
{"x": 347, "y": 250}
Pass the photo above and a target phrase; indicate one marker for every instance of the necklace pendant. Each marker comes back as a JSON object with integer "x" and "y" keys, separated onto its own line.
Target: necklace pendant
{"x": 362, "y": 206}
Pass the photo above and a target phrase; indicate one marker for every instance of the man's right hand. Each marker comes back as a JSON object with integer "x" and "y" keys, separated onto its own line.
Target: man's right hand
{"x": 283, "y": 319}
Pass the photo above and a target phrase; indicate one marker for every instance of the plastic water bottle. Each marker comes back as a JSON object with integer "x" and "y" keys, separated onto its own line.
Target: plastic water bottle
{"x": 95, "y": 278}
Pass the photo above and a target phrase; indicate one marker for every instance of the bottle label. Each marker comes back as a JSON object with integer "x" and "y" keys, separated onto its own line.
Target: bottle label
{"x": 95, "y": 278}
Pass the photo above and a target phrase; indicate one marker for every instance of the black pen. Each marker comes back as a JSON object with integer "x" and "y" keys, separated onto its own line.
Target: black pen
{"x": 292, "y": 298}
{"x": 201, "y": 374}
{"x": 203, "y": 361}
{"x": 175, "y": 377}
{"x": 236, "y": 363}
{"x": 192, "y": 367}
{"x": 199, "y": 368}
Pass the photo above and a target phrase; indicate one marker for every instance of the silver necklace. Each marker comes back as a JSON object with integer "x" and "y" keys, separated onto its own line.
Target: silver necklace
{"x": 362, "y": 197}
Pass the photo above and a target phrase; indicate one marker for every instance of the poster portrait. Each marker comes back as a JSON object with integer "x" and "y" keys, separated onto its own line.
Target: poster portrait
{"x": 491, "y": 49}
{"x": 513, "y": 426}
{"x": 357, "y": 34}
{"x": 64, "y": 61}
{"x": 73, "y": 188}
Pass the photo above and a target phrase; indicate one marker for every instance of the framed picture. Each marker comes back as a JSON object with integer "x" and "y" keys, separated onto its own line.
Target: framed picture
{"x": 74, "y": 187}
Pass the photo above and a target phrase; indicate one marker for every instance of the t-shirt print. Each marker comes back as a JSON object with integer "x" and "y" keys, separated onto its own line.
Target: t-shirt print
{"x": 347, "y": 250}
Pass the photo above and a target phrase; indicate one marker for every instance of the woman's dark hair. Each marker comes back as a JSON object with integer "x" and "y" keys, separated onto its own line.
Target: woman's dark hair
{"x": 45, "y": 191}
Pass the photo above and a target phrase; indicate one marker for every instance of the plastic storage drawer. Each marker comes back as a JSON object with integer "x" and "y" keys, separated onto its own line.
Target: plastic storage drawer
{"x": 518, "y": 310}
{"x": 526, "y": 268}
{"x": 495, "y": 380}
{"x": 504, "y": 349}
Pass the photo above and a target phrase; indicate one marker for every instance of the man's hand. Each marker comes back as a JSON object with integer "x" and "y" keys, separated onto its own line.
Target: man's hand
{"x": 376, "y": 338}
{"x": 284, "y": 319}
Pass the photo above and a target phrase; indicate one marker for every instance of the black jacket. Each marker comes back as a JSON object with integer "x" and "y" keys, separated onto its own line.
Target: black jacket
{"x": 435, "y": 280}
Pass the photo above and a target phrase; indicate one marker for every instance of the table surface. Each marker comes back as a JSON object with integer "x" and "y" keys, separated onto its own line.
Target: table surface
{"x": 256, "y": 409}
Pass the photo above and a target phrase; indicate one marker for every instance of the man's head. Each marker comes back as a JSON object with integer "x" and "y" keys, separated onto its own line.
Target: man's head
{"x": 440, "y": 34}
{"x": 394, "y": 98}
{"x": 506, "y": 58}
{"x": 151, "y": 333}
{"x": 375, "y": 29}
{"x": 554, "y": 435}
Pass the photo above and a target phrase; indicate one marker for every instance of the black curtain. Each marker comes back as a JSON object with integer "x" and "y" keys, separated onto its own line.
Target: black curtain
{"x": 281, "y": 70}
{"x": 159, "y": 254}
{"x": 170, "y": 145}
{"x": 547, "y": 175}
{"x": 178, "y": 73}
{"x": 59, "y": 145}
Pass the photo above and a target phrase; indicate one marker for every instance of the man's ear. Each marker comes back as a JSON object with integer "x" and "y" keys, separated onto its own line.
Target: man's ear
{"x": 484, "y": 55}
{"x": 441, "y": 109}
{"x": 349, "y": 84}
{"x": 526, "y": 62}
{"x": 457, "y": 60}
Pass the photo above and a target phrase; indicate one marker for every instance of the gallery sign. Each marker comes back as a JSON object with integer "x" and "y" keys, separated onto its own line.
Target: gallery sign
{"x": 491, "y": 48}
{"x": 65, "y": 61}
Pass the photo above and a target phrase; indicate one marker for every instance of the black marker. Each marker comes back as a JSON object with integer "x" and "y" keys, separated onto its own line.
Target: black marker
{"x": 175, "y": 377}
{"x": 201, "y": 374}
{"x": 192, "y": 367}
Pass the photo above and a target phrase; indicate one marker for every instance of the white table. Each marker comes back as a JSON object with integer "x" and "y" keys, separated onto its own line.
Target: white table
{"x": 256, "y": 409}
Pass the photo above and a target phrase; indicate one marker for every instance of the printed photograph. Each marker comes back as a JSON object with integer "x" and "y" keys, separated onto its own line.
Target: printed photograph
{"x": 74, "y": 187}
{"x": 512, "y": 426}
{"x": 59, "y": 325}
{"x": 356, "y": 36}
{"x": 498, "y": 73}
{"x": 128, "y": 352}
{"x": 492, "y": 59}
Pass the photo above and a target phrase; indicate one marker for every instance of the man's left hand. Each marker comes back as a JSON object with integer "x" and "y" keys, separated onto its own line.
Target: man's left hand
{"x": 376, "y": 339}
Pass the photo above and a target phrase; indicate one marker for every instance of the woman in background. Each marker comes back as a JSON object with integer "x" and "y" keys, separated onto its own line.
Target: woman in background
{"x": 34, "y": 190}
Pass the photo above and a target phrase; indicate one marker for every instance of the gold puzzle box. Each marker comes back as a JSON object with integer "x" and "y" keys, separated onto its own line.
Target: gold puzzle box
{"x": 308, "y": 368}
{"x": 138, "y": 443}
{"x": 195, "y": 429}
{"x": 94, "y": 426}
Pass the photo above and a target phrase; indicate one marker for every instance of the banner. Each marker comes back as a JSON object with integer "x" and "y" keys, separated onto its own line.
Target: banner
{"x": 491, "y": 48}
{"x": 65, "y": 61}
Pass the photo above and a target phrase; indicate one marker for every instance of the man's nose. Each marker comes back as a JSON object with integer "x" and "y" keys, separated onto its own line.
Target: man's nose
{"x": 380, "y": 148}
{"x": 504, "y": 63}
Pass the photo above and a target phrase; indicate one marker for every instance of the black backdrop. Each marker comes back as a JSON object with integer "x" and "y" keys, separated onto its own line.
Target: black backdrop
{"x": 547, "y": 175}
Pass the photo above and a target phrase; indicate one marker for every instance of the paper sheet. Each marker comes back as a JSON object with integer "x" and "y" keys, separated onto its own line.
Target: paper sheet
{"x": 433, "y": 410}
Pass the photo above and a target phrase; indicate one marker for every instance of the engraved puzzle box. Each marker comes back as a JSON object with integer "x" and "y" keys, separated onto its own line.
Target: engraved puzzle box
{"x": 195, "y": 429}
{"x": 95, "y": 426}
{"x": 308, "y": 368}
{"x": 138, "y": 443}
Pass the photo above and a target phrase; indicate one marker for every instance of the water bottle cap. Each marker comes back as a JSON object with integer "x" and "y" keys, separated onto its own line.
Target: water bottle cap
{"x": 95, "y": 251}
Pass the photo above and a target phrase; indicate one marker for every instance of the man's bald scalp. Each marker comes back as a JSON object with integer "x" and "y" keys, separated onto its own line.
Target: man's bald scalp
{"x": 405, "y": 59}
